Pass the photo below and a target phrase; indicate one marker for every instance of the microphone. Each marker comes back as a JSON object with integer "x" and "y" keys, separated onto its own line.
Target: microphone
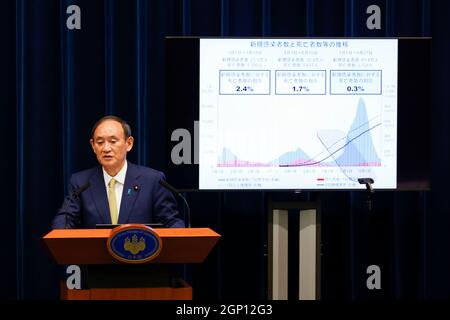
{"x": 75, "y": 194}
{"x": 166, "y": 185}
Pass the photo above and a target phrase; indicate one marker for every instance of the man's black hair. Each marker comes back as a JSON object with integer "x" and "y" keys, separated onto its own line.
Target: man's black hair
{"x": 126, "y": 127}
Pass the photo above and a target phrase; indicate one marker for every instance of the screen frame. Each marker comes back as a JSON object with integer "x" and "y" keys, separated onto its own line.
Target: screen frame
{"x": 186, "y": 176}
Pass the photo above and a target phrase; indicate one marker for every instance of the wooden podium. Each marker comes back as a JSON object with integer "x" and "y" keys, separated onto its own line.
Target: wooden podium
{"x": 110, "y": 279}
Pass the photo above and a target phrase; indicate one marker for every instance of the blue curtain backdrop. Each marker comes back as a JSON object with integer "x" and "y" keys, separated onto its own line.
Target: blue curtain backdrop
{"x": 56, "y": 82}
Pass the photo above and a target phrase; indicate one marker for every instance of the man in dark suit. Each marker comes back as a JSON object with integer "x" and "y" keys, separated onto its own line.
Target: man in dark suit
{"x": 117, "y": 191}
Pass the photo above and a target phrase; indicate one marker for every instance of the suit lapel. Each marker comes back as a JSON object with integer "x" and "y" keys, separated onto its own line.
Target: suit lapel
{"x": 98, "y": 192}
{"x": 129, "y": 194}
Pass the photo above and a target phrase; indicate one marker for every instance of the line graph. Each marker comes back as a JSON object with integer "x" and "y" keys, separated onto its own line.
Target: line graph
{"x": 353, "y": 149}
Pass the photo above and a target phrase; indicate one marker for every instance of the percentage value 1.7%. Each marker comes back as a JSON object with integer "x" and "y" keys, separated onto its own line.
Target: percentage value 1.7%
{"x": 300, "y": 89}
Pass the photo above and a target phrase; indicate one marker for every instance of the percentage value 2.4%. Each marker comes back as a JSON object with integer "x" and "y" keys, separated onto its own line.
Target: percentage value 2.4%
{"x": 244, "y": 89}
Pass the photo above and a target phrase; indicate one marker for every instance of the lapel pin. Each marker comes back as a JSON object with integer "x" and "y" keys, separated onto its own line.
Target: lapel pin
{"x": 136, "y": 187}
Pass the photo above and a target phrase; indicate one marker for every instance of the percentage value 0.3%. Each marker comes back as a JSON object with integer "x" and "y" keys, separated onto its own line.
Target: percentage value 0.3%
{"x": 355, "y": 89}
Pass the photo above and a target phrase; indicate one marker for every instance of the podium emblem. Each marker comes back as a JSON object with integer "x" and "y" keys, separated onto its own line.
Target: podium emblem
{"x": 134, "y": 243}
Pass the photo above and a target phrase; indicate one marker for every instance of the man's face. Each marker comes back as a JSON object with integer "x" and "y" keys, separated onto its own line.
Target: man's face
{"x": 110, "y": 146}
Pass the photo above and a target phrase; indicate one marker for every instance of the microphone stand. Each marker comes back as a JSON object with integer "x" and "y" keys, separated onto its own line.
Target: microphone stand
{"x": 166, "y": 185}
{"x": 187, "y": 209}
{"x": 368, "y": 182}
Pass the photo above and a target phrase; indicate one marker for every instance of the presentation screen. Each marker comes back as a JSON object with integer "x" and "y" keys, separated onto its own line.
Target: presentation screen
{"x": 297, "y": 113}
